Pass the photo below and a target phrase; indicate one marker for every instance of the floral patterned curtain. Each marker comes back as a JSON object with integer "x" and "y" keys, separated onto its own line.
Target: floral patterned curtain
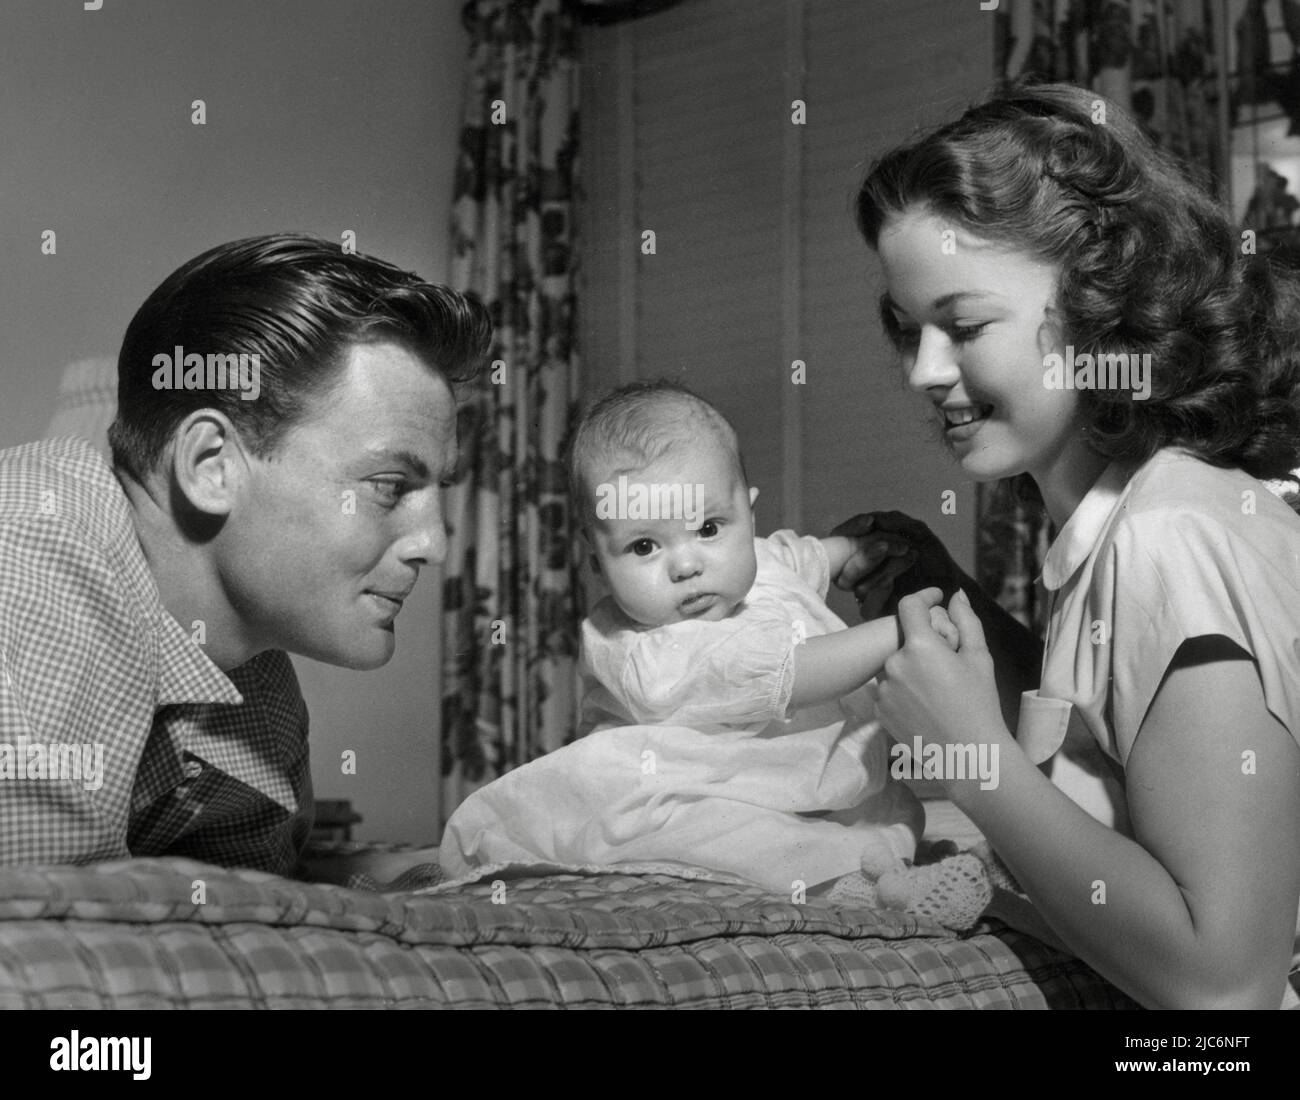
{"x": 1158, "y": 59}
{"x": 509, "y": 584}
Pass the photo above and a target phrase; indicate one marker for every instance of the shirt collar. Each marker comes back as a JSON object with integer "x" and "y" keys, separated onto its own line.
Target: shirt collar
{"x": 1077, "y": 539}
{"x": 257, "y": 762}
{"x": 185, "y": 673}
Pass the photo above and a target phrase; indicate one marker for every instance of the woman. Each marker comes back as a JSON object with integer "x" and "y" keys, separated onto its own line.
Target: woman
{"x": 1043, "y": 224}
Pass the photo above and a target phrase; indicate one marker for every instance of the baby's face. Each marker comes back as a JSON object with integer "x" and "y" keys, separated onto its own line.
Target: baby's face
{"x": 675, "y": 539}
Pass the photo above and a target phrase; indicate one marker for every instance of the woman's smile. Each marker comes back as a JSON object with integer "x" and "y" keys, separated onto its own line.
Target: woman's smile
{"x": 961, "y": 422}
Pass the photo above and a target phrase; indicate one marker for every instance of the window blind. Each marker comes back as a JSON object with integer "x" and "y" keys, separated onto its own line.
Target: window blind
{"x": 687, "y": 132}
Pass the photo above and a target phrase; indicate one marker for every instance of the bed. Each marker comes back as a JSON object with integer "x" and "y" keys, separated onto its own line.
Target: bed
{"x": 175, "y": 933}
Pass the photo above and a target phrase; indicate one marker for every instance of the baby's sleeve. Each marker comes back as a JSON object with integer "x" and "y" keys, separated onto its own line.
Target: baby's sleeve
{"x": 737, "y": 672}
{"x": 802, "y": 554}
{"x": 1187, "y": 576}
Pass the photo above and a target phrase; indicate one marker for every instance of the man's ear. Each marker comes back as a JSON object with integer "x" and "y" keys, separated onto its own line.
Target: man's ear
{"x": 206, "y": 463}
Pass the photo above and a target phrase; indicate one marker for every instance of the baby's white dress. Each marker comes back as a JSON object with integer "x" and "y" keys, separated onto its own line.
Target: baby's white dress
{"x": 694, "y": 756}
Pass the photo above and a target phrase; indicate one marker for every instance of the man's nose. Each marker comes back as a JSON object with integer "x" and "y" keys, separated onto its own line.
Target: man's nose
{"x": 426, "y": 542}
{"x": 934, "y": 364}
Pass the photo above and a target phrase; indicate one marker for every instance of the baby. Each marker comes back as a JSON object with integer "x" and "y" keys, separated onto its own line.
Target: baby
{"x": 726, "y": 717}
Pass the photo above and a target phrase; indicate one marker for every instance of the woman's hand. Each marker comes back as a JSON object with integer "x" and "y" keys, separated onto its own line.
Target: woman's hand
{"x": 896, "y": 555}
{"x": 928, "y": 691}
{"x": 899, "y": 555}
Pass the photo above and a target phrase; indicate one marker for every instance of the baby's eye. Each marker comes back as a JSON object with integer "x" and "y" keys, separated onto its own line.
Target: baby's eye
{"x": 642, "y": 547}
{"x": 708, "y": 529}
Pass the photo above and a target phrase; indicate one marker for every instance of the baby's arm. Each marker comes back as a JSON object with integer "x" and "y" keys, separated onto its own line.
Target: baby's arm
{"x": 838, "y": 551}
{"x": 832, "y": 665}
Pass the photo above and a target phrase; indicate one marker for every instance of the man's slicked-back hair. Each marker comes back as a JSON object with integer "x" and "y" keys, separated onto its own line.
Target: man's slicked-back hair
{"x": 299, "y": 304}
{"x": 638, "y": 423}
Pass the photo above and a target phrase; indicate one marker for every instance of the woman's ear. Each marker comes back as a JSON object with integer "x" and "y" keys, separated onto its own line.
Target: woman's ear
{"x": 1051, "y": 333}
{"x": 753, "y": 495}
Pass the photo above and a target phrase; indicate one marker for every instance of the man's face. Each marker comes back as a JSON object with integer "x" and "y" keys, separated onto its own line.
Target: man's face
{"x": 330, "y": 535}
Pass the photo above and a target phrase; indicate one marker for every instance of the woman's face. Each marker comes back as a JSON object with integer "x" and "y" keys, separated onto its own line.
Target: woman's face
{"x": 974, "y": 334}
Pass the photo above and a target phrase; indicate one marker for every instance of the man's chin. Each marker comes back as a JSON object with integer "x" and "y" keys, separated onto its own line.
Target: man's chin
{"x": 360, "y": 657}
{"x": 368, "y": 663}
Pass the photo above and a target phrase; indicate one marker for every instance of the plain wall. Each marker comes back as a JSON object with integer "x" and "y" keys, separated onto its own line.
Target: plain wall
{"x": 322, "y": 116}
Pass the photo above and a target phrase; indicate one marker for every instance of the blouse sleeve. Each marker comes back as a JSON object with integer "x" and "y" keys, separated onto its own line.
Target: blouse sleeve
{"x": 737, "y": 672}
{"x": 802, "y": 554}
{"x": 1189, "y": 576}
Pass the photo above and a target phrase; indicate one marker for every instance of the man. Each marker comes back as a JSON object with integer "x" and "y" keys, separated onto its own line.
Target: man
{"x": 285, "y": 419}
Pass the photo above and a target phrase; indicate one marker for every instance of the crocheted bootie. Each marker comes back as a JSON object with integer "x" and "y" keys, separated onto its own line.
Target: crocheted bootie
{"x": 999, "y": 874}
{"x": 953, "y": 892}
{"x": 854, "y": 889}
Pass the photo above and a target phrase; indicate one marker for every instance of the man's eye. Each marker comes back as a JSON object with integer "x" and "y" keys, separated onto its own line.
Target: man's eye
{"x": 708, "y": 529}
{"x": 642, "y": 547}
{"x": 388, "y": 489}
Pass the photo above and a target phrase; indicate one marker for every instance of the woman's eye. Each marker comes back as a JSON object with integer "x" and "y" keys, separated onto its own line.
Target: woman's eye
{"x": 642, "y": 547}
{"x": 708, "y": 529}
{"x": 962, "y": 333}
{"x": 907, "y": 338}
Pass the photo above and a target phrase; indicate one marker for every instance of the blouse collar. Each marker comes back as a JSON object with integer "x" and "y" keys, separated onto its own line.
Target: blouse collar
{"x": 1079, "y": 536}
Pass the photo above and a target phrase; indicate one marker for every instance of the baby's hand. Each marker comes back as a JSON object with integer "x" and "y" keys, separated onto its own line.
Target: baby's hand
{"x": 868, "y": 551}
{"x": 945, "y": 627}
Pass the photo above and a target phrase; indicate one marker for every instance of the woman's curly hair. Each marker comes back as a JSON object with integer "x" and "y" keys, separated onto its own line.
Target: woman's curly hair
{"x": 1148, "y": 262}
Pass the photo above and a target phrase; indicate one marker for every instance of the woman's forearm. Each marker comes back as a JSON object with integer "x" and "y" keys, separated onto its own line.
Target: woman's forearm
{"x": 1108, "y": 900}
{"x": 1020, "y": 914}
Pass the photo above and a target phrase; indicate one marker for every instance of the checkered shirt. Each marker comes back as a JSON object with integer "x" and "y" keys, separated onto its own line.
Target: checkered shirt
{"x": 196, "y": 762}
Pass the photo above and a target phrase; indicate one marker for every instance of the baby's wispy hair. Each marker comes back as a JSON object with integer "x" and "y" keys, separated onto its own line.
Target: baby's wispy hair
{"x": 635, "y": 426}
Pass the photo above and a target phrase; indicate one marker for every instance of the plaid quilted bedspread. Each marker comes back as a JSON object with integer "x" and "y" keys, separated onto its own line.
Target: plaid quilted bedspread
{"x": 158, "y": 933}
